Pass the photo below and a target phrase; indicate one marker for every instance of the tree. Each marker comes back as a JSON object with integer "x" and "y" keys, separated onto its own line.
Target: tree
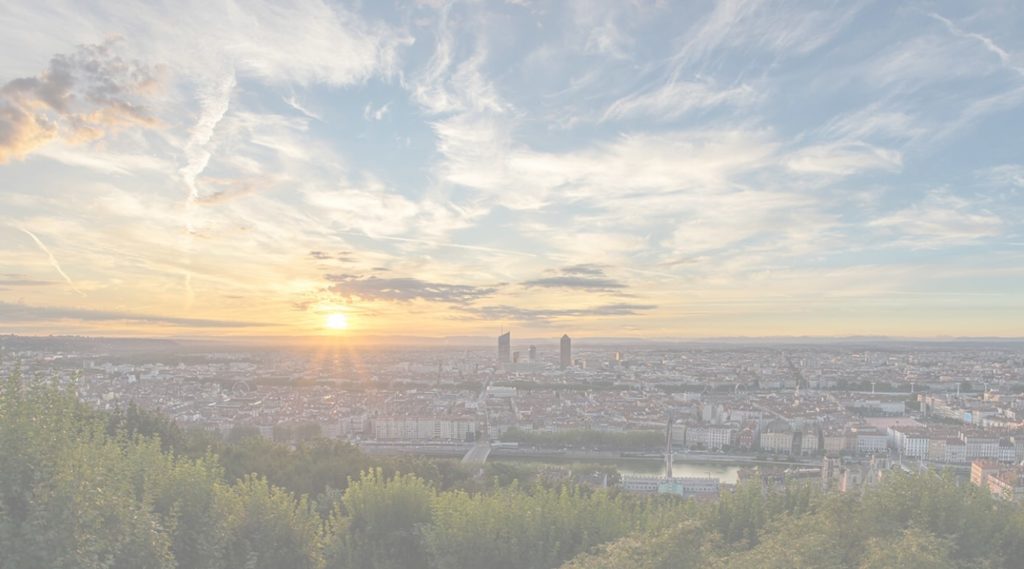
{"x": 679, "y": 547}
{"x": 379, "y": 521}
{"x": 914, "y": 549}
{"x": 269, "y": 529}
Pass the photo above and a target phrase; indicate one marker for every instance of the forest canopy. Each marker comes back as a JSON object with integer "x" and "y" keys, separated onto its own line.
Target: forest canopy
{"x": 82, "y": 489}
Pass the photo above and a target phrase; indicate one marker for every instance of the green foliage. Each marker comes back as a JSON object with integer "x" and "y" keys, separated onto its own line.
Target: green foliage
{"x": 512, "y": 529}
{"x": 914, "y": 549}
{"x": 379, "y": 523}
{"x": 679, "y": 547}
{"x": 79, "y": 489}
{"x": 269, "y": 529}
{"x": 906, "y": 521}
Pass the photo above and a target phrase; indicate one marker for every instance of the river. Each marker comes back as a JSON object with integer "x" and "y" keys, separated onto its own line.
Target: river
{"x": 725, "y": 473}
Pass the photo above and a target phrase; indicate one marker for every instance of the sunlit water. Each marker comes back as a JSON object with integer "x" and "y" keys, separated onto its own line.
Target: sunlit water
{"x": 724, "y": 473}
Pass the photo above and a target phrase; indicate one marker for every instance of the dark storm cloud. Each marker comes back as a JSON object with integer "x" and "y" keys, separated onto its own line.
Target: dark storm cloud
{"x": 343, "y": 256}
{"x": 515, "y": 313}
{"x": 584, "y": 277}
{"x": 588, "y": 269}
{"x": 403, "y": 289}
{"x": 568, "y": 281}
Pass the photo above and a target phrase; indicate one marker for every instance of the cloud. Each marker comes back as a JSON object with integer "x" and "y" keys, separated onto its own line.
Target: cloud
{"x": 1005, "y": 175}
{"x": 404, "y": 289}
{"x": 583, "y": 277}
{"x": 588, "y": 269}
{"x": 985, "y": 41}
{"x": 675, "y": 99}
{"x": 371, "y": 113}
{"x": 600, "y": 27}
{"x": 343, "y": 256}
{"x": 568, "y": 281}
{"x": 12, "y": 281}
{"x": 213, "y": 104}
{"x": 767, "y": 27}
{"x": 518, "y": 314}
{"x": 53, "y": 260}
{"x": 309, "y": 41}
{"x": 10, "y": 312}
{"x": 372, "y": 209}
{"x": 480, "y": 155}
{"x": 444, "y": 87}
{"x": 873, "y": 121}
{"x": 294, "y": 103}
{"x": 79, "y": 98}
{"x": 844, "y": 158}
{"x": 941, "y": 219}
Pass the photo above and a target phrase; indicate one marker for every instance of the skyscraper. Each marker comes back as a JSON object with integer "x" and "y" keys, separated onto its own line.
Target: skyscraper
{"x": 533, "y": 354}
{"x": 566, "y": 353}
{"x": 668, "y": 448}
{"x": 505, "y": 348}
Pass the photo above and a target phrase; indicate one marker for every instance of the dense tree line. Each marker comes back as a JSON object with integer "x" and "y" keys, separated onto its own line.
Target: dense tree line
{"x": 80, "y": 489}
{"x": 907, "y": 521}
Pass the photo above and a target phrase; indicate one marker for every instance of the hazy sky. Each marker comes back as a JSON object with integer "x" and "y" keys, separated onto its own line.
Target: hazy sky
{"x": 603, "y": 168}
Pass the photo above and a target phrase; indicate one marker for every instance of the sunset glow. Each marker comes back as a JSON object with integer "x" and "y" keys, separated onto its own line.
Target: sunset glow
{"x": 337, "y": 321}
{"x": 654, "y": 169}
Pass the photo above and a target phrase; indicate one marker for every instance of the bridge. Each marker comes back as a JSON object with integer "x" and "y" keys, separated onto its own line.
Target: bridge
{"x": 478, "y": 454}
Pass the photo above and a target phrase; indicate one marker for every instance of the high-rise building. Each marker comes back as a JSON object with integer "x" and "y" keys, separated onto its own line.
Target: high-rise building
{"x": 533, "y": 354}
{"x": 668, "y": 449}
{"x": 565, "y": 358}
{"x": 505, "y": 348}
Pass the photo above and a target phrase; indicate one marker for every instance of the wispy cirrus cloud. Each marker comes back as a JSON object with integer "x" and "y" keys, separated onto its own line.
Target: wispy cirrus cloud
{"x": 52, "y": 259}
{"x": 940, "y": 219}
{"x": 674, "y": 99}
{"x": 1005, "y": 175}
{"x": 988, "y": 43}
{"x": 738, "y": 156}
{"x": 843, "y": 159}
{"x": 21, "y": 313}
{"x": 20, "y": 280}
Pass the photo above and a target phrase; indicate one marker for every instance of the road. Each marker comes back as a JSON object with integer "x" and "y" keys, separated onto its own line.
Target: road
{"x": 478, "y": 454}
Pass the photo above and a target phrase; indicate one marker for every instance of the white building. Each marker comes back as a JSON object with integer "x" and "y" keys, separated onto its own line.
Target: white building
{"x": 425, "y": 428}
{"x": 781, "y": 443}
{"x": 871, "y": 441}
{"x": 687, "y": 487}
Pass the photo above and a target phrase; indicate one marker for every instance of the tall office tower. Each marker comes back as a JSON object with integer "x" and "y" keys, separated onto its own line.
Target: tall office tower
{"x": 533, "y": 354}
{"x": 566, "y": 354}
{"x": 505, "y": 348}
{"x": 668, "y": 448}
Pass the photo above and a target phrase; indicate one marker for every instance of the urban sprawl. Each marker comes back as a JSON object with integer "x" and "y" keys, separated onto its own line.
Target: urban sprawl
{"x": 842, "y": 412}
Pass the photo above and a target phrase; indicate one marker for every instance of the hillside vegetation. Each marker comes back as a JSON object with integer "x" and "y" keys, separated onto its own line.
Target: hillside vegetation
{"x": 86, "y": 490}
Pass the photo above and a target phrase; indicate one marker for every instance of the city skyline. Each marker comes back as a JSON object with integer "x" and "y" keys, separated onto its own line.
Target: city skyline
{"x": 647, "y": 170}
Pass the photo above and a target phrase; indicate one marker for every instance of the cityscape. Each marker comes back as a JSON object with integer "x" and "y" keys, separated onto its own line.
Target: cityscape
{"x": 844, "y": 412}
{"x": 512, "y": 284}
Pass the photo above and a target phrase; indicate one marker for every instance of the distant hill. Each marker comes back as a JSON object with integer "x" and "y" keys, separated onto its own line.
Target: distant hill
{"x": 86, "y": 344}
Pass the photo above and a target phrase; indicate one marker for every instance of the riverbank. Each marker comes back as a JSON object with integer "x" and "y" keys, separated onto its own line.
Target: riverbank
{"x": 539, "y": 454}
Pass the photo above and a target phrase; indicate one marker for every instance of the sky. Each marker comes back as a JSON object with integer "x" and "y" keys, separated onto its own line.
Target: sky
{"x": 617, "y": 169}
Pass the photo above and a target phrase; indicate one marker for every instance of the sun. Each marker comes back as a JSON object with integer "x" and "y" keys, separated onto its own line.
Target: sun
{"x": 337, "y": 321}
